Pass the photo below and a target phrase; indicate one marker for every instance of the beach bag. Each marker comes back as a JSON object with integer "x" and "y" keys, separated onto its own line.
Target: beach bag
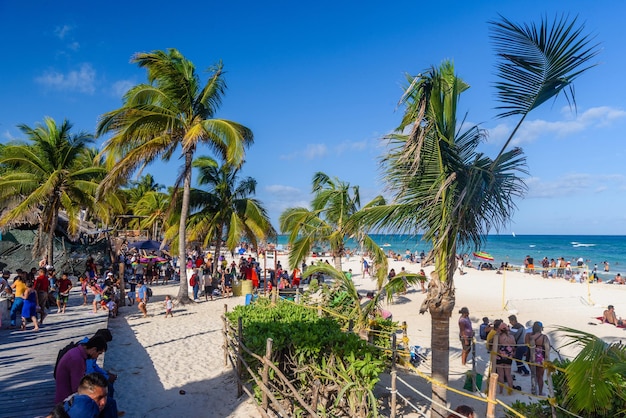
{"x": 192, "y": 281}
{"x": 149, "y": 292}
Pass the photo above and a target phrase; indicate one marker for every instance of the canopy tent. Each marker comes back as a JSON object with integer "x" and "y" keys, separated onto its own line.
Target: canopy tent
{"x": 147, "y": 245}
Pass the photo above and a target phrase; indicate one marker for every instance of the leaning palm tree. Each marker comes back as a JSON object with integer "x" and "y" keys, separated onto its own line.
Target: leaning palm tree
{"x": 153, "y": 209}
{"x": 328, "y": 221}
{"x": 227, "y": 208}
{"x": 442, "y": 185}
{"x": 173, "y": 110}
{"x": 49, "y": 172}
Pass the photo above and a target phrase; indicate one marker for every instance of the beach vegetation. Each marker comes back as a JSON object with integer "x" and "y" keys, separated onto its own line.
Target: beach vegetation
{"x": 308, "y": 348}
{"x": 172, "y": 110}
{"x": 225, "y": 210}
{"x": 327, "y": 221}
{"x": 50, "y": 171}
{"x": 442, "y": 185}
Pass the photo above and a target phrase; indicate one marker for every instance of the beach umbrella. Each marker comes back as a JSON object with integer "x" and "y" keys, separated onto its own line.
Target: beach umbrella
{"x": 147, "y": 245}
{"x": 483, "y": 256}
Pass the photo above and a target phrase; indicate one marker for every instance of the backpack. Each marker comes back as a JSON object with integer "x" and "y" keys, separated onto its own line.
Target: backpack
{"x": 149, "y": 292}
{"x": 61, "y": 354}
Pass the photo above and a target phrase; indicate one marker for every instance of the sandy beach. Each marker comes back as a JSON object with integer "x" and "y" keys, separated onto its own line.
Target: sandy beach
{"x": 158, "y": 359}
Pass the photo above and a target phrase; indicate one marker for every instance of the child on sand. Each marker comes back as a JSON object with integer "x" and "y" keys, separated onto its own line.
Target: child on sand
{"x": 168, "y": 306}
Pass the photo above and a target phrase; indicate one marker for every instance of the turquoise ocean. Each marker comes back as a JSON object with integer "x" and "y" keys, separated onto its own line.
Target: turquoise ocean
{"x": 594, "y": 249}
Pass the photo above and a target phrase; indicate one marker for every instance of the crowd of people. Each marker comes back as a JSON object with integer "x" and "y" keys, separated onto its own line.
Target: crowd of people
{"x": 525, "y": 346}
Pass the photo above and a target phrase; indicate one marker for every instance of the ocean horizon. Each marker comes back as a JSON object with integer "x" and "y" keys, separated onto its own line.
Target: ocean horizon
{"x": 594, "y": 249}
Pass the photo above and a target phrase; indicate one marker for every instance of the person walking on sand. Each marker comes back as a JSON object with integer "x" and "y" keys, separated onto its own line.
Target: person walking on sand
{"x": 466, "y": 333}
{"x": 64, "y": 285}
{"x": 142, "y": 296}
{"x": 168, "y": 306}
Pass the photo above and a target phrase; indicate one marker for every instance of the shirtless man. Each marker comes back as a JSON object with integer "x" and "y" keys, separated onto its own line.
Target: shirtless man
{"x": 609, "y": 317}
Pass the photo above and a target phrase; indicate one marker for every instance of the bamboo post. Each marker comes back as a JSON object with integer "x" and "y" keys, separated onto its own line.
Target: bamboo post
{"x": 122, "y": 284}
{"x": 315, "y": 396}
{"x": 239, "y": 354}
{"x": 319, "y": 311}
{"x": 551, "y": 391}
{"x": 266, "y": 369}
{"x": 504, "y": 289}
{"x": 474, "y": 385}
{"x": 491, "y": 397}
{"x": 405, "y": 339}
{"x": 225, "y": 330}
{"x": 392, "y": 413}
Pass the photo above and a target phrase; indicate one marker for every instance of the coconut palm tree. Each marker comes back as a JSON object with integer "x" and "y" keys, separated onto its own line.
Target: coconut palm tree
{"x": 49, "y": 172}
{"x": 328, "y": 221}
{"x": 153, "y": 208}
{"x": 442, "y": 185}
{"x": 173, "y": 109}
{"x": 226, "y": 208}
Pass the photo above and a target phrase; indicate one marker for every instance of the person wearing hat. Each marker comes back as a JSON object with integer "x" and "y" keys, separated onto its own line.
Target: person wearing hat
{"x": 466, "y": 333}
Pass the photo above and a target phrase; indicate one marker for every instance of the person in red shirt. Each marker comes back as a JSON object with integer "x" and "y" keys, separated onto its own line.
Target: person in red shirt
{"x": 63, "y": 292}
{"x": 42, "y": 286}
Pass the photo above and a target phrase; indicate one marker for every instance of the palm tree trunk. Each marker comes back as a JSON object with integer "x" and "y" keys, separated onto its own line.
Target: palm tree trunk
{"x": 218, "y": 247}
{"x": 183, "y": 290}
{"x": 440, "y": 341}
{"x": 51, "y": 230}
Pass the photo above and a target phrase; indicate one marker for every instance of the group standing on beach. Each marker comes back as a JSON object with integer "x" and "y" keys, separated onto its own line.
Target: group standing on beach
{"x": 524, "y": 346}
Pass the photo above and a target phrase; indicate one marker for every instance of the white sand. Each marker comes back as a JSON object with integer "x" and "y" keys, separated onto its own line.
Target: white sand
{"x": 156, "y": 357}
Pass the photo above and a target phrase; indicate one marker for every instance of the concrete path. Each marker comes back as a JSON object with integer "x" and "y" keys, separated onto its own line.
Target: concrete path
{"x": 27, "y": 357}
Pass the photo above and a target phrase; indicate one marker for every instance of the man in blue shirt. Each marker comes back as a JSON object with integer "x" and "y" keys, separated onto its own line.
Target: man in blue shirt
{"x": 142, "y": 296}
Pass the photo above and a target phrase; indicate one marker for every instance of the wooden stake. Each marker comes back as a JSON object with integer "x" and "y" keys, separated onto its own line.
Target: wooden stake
{"x": 491, "y": 397}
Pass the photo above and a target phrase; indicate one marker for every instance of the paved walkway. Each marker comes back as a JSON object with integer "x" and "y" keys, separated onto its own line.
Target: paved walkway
{"x": 27, "y": 358}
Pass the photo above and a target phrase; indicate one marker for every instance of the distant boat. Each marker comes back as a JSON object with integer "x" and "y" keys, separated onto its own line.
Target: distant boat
{"x": 513, "y": 233}
{"x": 386, "y": 245}
{"x": 532, "y": 245}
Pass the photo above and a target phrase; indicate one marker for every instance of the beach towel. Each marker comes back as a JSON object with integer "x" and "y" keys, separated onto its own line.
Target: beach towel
{"x": 599, "y": 318}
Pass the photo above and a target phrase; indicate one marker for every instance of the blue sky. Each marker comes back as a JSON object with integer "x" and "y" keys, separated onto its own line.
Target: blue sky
{"x": 319, "y": 82}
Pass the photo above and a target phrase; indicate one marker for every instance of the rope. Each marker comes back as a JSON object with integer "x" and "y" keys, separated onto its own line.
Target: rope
{"x": 433, "y": 381}
{"x": 431, "y": 400}
{"x": 568, "y": 412}
{"x": 415, "y": 408}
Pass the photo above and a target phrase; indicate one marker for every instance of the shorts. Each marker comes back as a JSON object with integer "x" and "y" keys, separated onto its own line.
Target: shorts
{"x": 505, "y": 361}
{"x": 97, "y": 298}
{"x": 62, "y": 298}
{"x": 466, "y": 343}
{"x": 208, "y": 290}
{"x": 131, "y": 295}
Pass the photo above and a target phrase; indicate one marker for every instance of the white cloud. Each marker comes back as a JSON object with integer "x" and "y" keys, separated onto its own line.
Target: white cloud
{"x": 119, "y": 88}
{"x": 62, "y": 31}
{"x": 74, "y": 46}
{"x": 311, "y": 152}
{"x": 595, "y": 117}
{"x": 574, "y": 185}
{"x": 81, "y": 80}
{"x": 281, "y": 190}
